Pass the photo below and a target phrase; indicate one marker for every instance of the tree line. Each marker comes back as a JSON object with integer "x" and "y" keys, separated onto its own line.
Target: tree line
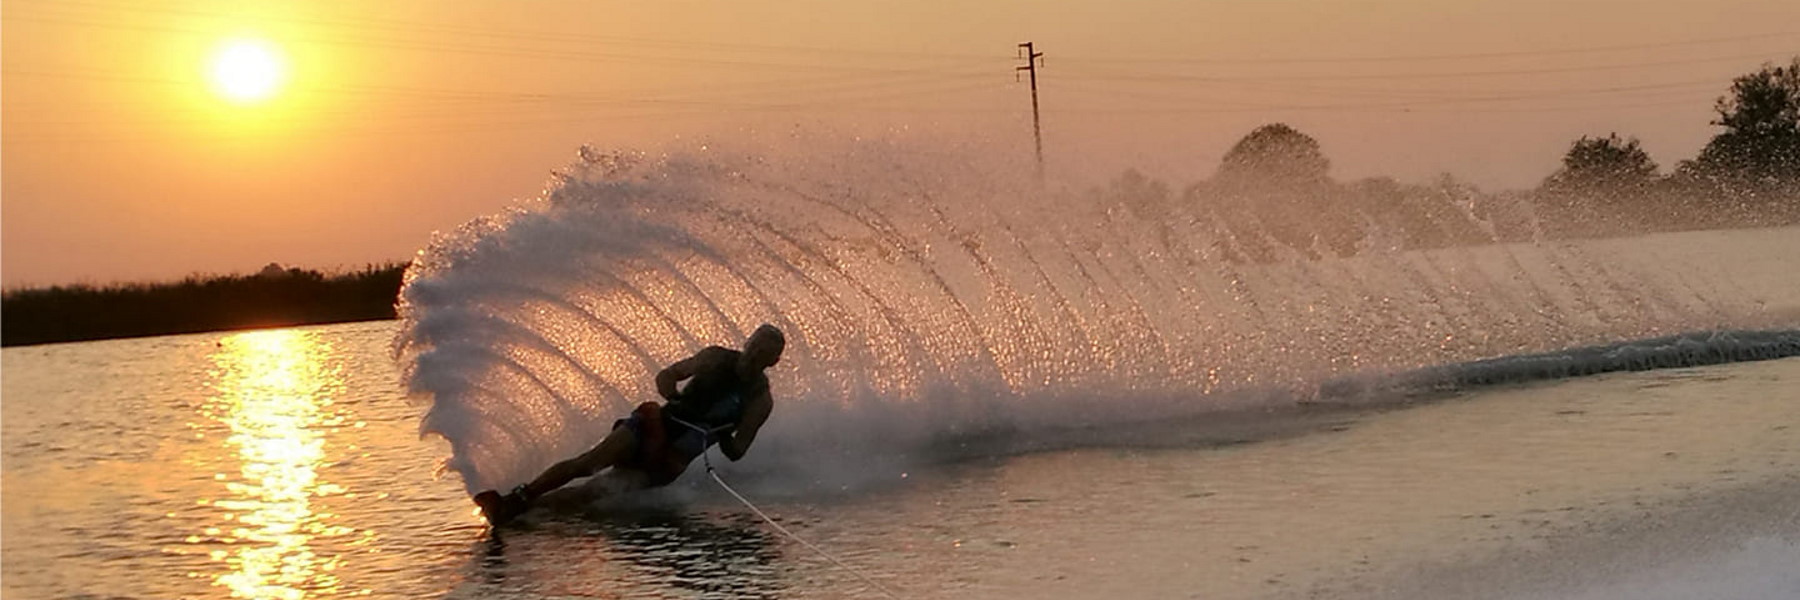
{"x": 273, "y": 297}
{"x": 1271, "y": 197}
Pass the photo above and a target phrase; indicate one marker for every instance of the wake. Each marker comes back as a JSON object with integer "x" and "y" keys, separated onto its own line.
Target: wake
{"x": 1692, "y": 349}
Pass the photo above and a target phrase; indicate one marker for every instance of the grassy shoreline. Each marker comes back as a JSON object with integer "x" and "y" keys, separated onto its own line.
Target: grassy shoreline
{"x": 273, "y": 297}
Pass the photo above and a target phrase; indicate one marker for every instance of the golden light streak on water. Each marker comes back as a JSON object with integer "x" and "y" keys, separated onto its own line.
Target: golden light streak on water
{"x": 274, "y": 391}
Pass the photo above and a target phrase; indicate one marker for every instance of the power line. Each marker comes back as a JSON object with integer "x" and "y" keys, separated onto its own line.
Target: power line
{"x": 1685, "y": 88}
{"x": 390, "y": 26}
{"x": 385, "y": 30}
{"x": 847, "y": 87}
{"x": 564, "y": 112}
{"x": 818, "y": 90}
{"x": 1439, "y": 57}
{"x": 504, "y": 51}
{"x": 1109, "y": 74}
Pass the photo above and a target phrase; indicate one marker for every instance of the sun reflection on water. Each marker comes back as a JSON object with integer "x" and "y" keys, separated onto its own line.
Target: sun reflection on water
{"x": 274, "y": 392}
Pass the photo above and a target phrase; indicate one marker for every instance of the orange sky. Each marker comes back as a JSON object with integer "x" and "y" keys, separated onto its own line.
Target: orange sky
{"x": 401, "y": 118}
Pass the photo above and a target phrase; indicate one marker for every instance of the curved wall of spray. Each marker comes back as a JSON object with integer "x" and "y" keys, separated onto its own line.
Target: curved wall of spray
{"x": 927, "y": 298}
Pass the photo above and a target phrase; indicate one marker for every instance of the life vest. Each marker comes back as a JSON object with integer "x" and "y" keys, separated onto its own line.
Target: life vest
{"x": 714, "y": 397}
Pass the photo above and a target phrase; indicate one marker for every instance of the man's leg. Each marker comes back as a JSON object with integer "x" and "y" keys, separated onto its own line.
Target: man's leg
{"x": 643, "y": 426}
{"x": 617, "y": 445}
{"x": 503, "y": 508}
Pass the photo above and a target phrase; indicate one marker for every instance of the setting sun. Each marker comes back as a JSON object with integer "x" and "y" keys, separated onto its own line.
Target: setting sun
{"x": 247, "y": 70}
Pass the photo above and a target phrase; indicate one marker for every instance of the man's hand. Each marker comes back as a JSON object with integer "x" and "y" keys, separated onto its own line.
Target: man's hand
{"x": 756, "y": 412}
{"x": 667, "y": 378}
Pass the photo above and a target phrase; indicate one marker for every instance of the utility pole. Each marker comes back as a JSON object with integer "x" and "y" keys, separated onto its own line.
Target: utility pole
{"x": 1032, "y": 58}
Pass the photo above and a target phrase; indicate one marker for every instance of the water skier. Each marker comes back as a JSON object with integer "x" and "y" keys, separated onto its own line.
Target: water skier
{"x": 726, "y": 400}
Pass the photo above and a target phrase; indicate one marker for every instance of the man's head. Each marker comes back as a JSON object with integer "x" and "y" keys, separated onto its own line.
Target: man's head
{"x": 763, "y": 348}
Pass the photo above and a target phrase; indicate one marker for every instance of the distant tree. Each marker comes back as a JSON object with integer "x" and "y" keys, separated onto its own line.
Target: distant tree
{"x": 1759, "y": 151}
{"x": 1275, "y": 154}
{"x": 1404, "y": 216}
{"x": 1272, "y": 185}
{"x": 1147, "y": 197}
{"x": 1610, "y": 167}
{"x": 1603, "y": 188}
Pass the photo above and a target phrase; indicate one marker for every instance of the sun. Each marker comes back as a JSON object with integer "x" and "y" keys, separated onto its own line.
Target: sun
{"x": 247, "y": 71}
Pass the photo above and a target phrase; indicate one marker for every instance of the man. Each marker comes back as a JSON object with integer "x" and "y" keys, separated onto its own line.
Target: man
{"x": 726, "y": 400}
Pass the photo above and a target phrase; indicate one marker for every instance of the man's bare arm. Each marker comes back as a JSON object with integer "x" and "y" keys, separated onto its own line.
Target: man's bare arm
{"x": 673, "y": 374}
{"x": 756, "y": 412}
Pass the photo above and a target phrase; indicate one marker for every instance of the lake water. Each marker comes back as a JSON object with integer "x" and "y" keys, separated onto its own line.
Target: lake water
{"x": 287, "y": 464}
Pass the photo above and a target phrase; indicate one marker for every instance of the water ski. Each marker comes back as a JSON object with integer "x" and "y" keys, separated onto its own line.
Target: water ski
{"x": 500, "y": 509}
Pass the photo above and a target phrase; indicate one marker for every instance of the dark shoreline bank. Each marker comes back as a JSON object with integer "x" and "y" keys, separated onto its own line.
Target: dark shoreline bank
{"x": 275, "y": 297}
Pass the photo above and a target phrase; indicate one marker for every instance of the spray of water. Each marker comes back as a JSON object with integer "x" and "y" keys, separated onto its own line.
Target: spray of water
{"x": 929, "y": 299}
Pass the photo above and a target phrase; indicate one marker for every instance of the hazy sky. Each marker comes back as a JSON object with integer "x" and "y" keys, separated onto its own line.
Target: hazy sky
{"x": 391, "y": 120}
